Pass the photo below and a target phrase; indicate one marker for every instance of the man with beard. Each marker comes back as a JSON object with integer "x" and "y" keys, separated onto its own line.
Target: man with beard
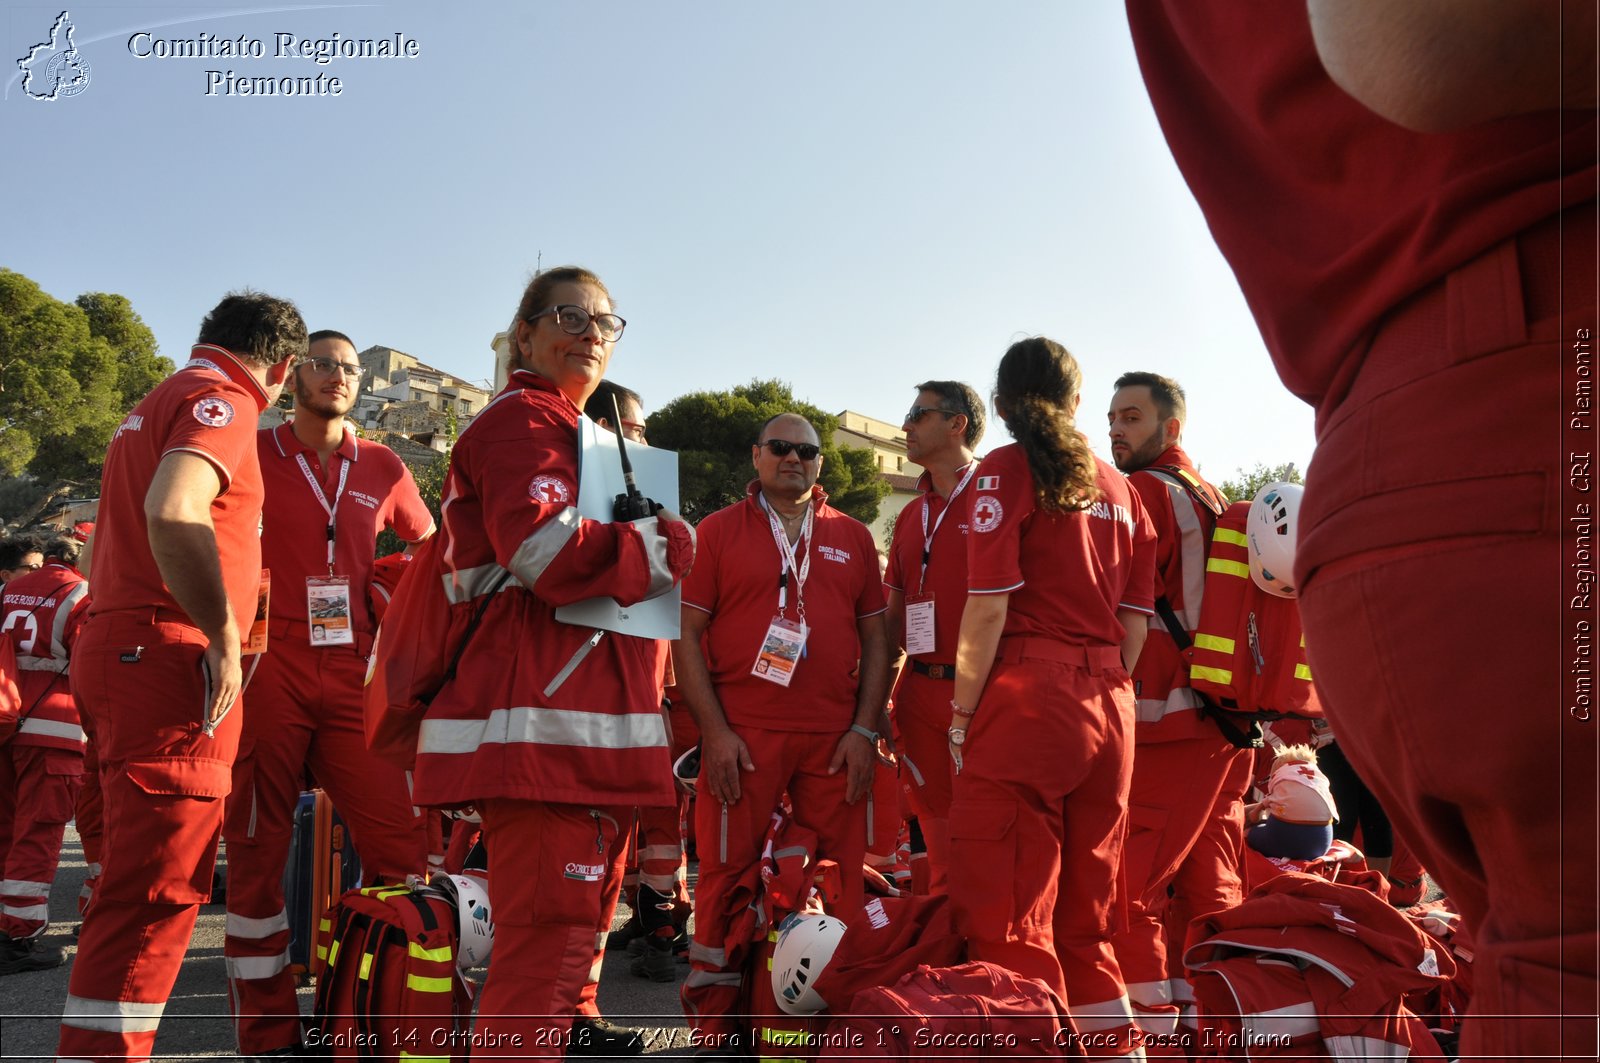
{"x": 1185, "y": 807}
{"x": 329, "y": 494}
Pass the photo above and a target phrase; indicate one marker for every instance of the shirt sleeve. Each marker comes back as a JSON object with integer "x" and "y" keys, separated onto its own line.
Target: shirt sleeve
{"x": 997, "y": 512}
{"x": 409, "y": 516}
{"x": 217, "y": 422}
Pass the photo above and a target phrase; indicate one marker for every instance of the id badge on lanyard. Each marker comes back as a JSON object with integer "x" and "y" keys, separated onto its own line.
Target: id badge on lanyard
{"x": 328, "y": 612}
{"x": 784, "y": 643}
{"x": 919, "y": 607}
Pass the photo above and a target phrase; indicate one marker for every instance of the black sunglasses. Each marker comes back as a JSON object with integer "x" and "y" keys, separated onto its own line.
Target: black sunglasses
{"x": 780, "y": 448}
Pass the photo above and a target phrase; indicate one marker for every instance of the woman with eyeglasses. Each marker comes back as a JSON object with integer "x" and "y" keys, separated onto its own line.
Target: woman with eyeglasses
{"x": 552, "y": 732}
{"x": 1061, "y": 581}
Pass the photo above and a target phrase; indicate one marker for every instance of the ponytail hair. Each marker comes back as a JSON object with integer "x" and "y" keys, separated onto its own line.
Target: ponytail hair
{"x": 1036, "y": 387}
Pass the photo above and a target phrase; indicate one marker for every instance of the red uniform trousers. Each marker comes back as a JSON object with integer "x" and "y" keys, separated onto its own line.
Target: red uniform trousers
{"x": 38, "y": 788}
{"x": 921, "y": 720}
{"x": 729, "y": 841}
{"x": 90, "y": 814}
{"x": 1431, "y": 562}
{"x": 618, "y": 854}
{"x": 883, "y": 819}
{"x": 1036, "y": 829}
{"x": 547, "y": 866}
{"x": 305, "y": 711}
{"x": 1185, "y": 831}
{"x": 660, "y": 857}
{"x": 137, "y": 677}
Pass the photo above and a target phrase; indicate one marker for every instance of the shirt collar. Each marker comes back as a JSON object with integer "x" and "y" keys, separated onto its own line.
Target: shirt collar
{"x": 224, "y": 361}
{"x": 289, "y": 443}
{"x": 526, "y": 378}
{"x": 925, "y": 481}
{"x": 752, "y": 492}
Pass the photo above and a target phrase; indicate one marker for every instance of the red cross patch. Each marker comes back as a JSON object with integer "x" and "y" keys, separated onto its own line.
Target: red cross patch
{"x": 549, "y": 490}
{"x": 986, "y": 513}
{"x": 1310, "y": 773}
{"x": 213, "y": 413}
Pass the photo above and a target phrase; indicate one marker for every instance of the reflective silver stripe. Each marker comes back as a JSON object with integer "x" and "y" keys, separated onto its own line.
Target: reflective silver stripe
{"x": 1295, "y": 1020}
{"x": 701, "y": 978}
{"x": 52, "y": 729}
{"x": 13, "y": 887}
{"x": 95, "y": 869}
{"x": 594, "y": 972}
{"x": 1106, "y": 1015}
{"x": 711, "y": 957}
{"x": 1191, "y": 547}
{"x": 243, "y": 926}
{"x": 1355, "y": 1048}
{"x": 659, "y": 883}
{"x": 599, "y": 941}
{"x": 916, "y": 773}
{"x": 111, "y": 1016}
{"x": 545, "y": 727}
{"x": 1154, "y": 710}
{"x": 29, "y": 912}
{"x": 41, "y": 664}
{"x": 655, "y": 551}
{"x": 468, "y": 583}
{"x": 541, "y": 548}
{"x": 251, "y": 968}
{"x": 1150, "y": 994}
{"x": 58, "y": 630}
{"x": 1181, "y": 991}
{"x": 660, "y": 852}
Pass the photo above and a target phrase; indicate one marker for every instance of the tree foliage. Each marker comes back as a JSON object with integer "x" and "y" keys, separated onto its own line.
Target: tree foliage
{"x": 69, "y": 372}
{"x": 1245, "y": 484}
{"x": 430, "y": 485}
{"x": 712, "y": 431}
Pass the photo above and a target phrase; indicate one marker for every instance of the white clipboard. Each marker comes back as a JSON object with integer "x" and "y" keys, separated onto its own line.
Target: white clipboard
{"x": 599, "y": 482}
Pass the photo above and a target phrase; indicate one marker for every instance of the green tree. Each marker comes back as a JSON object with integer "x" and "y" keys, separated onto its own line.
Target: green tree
{"x": 1245, "y": 484}
{"x": 69, "y": 372}
{"x": 712, "y": 431}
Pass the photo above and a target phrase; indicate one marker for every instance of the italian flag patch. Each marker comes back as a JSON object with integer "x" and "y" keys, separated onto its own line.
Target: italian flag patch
{"x": 988, "y": 483}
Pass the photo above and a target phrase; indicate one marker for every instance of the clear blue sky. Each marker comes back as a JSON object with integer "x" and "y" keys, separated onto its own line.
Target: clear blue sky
{"x": 849, "y": 197}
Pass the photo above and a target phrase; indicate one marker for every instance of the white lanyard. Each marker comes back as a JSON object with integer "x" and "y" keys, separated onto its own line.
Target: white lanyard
{"x": 786, "y": 561}
{"x": 332, "y": 510}
{"x": 927, "y": 536}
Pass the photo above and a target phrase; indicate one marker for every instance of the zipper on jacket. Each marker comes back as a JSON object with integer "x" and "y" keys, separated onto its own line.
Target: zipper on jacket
{"x": 723, "y": 851}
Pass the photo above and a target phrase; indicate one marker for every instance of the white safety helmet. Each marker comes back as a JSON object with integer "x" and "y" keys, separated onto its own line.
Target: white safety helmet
{"x": 686, "y": 769}
{"x": 806, "y": 943}
{"x": 1272, "y": 528}
{"x": 474, "y": 923}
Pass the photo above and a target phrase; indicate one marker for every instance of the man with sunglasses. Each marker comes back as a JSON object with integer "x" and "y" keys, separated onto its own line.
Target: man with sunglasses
{"x": 783, "y": 601}
{"x": 927, "y": 584}
{"x": 329, "y": 494}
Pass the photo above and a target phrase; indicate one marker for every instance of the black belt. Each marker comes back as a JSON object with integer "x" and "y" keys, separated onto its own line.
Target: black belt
{"x": 934, "y": 671}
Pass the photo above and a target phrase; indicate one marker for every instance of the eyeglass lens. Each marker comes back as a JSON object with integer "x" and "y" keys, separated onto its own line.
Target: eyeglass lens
{"x": 325, "y": 366}
{"x": 574, "y": 320}
{"x": 780, "y": 448}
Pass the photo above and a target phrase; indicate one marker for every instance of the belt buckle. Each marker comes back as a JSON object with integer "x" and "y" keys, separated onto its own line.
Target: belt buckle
{"x": 935, "y": 671}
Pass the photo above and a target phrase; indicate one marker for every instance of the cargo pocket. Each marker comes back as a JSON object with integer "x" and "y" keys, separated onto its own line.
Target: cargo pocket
{"x": 162, "y": 837}
{"x": 63, "y": 779}
{"x": 983, "y": 866}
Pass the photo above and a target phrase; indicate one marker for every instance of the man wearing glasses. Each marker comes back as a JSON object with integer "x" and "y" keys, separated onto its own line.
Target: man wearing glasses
{"x": 782, "y": 602}
{"x": 927, "y": 583}
{"x": 329, "y": 494}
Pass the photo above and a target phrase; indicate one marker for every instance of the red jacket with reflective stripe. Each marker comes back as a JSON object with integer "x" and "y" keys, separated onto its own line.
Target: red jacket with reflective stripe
{"x": 509, "y": 503}
{"x": 44, "y": 611}
{"x": 1183, "y": 535}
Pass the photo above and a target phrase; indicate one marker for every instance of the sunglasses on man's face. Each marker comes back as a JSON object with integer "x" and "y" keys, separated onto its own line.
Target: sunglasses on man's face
{"x": 780, "y": 448}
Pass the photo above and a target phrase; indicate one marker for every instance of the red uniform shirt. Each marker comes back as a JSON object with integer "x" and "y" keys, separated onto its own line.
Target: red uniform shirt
{"x": 946, "y": 574}
{"x": 378, "y": 493}
{"x": 1067, "y": 573}
{"x": 1328, "y": 214}
{"x": 44, "y": 611}
{"x": 735, "y": 579}
{"x": 209, "y": 407}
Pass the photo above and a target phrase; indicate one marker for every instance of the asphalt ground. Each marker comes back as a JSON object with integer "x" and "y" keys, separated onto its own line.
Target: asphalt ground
{"x": 197, "y": 1024}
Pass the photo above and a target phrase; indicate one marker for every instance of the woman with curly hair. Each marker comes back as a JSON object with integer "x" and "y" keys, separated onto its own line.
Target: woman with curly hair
{"x": 1061, "y": 582}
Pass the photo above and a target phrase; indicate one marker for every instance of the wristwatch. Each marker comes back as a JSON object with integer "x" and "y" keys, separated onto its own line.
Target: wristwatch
{"x": 957, "y": 735}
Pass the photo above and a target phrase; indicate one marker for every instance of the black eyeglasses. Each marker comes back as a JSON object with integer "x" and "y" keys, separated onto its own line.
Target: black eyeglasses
{"x": 916, "y": 413}
{"x": 780, "y": 448}
{"x": 574, "y": 321}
